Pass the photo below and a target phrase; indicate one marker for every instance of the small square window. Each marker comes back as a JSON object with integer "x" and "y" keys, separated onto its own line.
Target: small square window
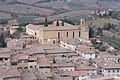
{"x": 6, "y": 58}
{"x": 25, "y": 67}
{"x": 31, "y": 67}
{"x": 117, "y": 70}
{"x": 113, "y": 70}
{"x": 1, "y": 59}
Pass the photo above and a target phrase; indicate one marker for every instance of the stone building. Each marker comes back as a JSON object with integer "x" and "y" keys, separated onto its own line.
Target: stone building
{"x": 52, "y": 34}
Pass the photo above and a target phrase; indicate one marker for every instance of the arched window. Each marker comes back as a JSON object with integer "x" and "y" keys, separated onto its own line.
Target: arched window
{"x": 67, "y": 34}
{"x": 53, "y": 41}
{"x": 79, "y": 33}
{"x": 73, "y": 34}
{"x": 58, "y": 35}
{"x": 35, "y": 33}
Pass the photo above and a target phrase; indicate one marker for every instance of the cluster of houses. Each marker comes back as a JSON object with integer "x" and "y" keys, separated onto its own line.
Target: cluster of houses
{"x": 53, "y": 62}
{"x": 56, "y": 53}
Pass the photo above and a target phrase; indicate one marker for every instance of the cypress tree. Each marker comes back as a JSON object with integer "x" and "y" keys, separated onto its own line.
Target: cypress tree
{"x": 2, "y": 41}
{"x": 57, "y": 24}
{"x": 62, "y": 23}
{"x": 46, "y": 22}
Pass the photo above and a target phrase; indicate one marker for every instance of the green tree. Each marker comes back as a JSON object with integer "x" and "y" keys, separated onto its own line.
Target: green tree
{"x": 3, "y": 22}
{"x": 46, "y": 22}
{"x": 68, "y": 21}
{"x": 99, "y": 31}
{"x": 20, "y": 29}
{"x": 113, "y": 37}
{"x": 14, "y": 15}
{"x": 57, "y": 24}
{"x": 62, "y": 23}
{"x": 91, "y": 32}
{"x": 2, "y": 41}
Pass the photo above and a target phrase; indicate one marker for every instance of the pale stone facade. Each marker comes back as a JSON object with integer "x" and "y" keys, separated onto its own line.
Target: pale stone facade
{"x": 52, "y": 34}
{"x": 111, "y": 72}
{"x": 84, "y": 30}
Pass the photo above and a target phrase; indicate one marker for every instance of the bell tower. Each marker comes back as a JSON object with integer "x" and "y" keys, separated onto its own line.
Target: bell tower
{"x": 84, "y": 30}
{"x": 82, "y": 23}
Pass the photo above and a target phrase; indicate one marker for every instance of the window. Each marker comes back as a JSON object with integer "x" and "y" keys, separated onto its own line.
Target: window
{"x": 113, "y": 70}
{"x": 79, "y": 33}
{"x": 19, "y": 61}
{"x": 31, "y": 61}
{"x": 108, "y": 70}
{"x": 41, "y": 67}
{"x": 73, "y": 34}
{"x": 25, "y": 61}
{"x": 117, "y": 70}
{"x": 13, "y": 64}
{"x": 47, "y": 67}
{"x": 95, "y": 56}
{"x": 35, "y": 34}
{"x": 19, "y": 67}
{"x": 1, "y": 59}
{"x": 30, "y": 66}
{"x": 53, "y": 41}
{"x": 87, "y": 73}
{"x": 58, "y": 35}
{"x": 25, "y": 67}
{"x": 67, "y": 34}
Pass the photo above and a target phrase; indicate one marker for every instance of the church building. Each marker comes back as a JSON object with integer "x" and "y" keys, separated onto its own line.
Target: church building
{"x": 52, "y": 34}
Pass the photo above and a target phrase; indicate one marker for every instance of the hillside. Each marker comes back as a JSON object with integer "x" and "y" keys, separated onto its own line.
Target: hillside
{"x": 101, "y": 22}
{"x": 31, "y": 9}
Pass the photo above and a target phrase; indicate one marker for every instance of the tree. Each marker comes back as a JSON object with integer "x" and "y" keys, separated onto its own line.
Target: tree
{"x": 14, "y": 15}
{"x": 2, "y": 41}
{"x": 62, "y": 23}
{"x": 3, "y": 22}
{"x": 57, "y": 24}
{"x": 110, "y": 13}
{"x": 105, "y": 14}
{"x": 113, "y": 37}
{"x": 46, "y": 22}
{"x": 100, "y": 15}
{"x": 0, "y": 44}
{"x": 91, "y": 32}
{"x": 3, "y": 0}
{"x": 20, "y": 29}
{"x": 105, "y": 27}
{"x": 99, "y": 31}
{"x": 68, "y": 21}
{"x": 91, "y": 23}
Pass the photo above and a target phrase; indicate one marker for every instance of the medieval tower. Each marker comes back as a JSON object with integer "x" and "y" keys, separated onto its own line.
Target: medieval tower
{"x": 84, "y": 30}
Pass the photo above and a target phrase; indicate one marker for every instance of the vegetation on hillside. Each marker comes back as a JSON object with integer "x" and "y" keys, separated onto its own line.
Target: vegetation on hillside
{"x": 112, "y": 38}
{"x": 3, "y": 22}
{"x": 2, "y": 41}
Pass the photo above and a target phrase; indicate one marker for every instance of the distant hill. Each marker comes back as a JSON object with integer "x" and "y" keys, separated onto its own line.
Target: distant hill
{"x": 41, "y": 8}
